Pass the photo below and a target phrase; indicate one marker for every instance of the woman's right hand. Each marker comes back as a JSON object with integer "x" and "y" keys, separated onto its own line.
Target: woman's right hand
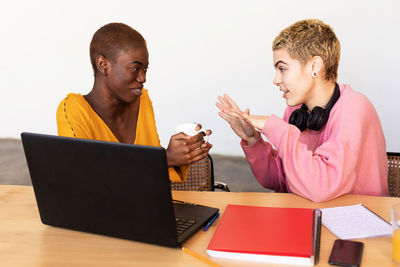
{"x": 184, "y": 149}
{"x": 239, "y": 125}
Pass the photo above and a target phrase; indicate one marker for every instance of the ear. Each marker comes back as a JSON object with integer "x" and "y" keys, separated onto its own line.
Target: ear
{"x": 317, "y": 65}
{"x": 102, "y": 64}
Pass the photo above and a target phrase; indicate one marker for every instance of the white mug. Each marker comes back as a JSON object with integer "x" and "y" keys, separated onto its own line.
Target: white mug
{"x": 190, "y": 129}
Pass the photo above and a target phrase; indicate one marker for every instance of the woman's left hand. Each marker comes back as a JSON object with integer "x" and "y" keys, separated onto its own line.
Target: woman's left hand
{"x": 230, "y": 108}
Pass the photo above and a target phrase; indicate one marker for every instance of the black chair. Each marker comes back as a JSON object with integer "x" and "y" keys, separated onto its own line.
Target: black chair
{"x": 200, "y": 178}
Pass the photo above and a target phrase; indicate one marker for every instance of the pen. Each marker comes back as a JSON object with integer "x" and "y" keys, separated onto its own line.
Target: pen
{"x": 194, "y": 254}
{"x": 183, "y": 202}
{"x": 211, "y": 221}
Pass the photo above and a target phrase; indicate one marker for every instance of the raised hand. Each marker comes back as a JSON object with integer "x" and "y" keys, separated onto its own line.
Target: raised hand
{"x": 230, "y": 108}
{"x": 232, "y": 114}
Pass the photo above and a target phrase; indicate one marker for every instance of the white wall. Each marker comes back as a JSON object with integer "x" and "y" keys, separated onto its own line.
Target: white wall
{"x": 198, "y": 50}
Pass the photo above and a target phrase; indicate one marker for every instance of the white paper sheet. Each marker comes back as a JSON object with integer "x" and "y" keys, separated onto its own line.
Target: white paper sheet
{"x": 354, "y": 222}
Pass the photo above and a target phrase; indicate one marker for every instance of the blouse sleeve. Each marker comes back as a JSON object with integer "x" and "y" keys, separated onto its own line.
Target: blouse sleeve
{"x": 149, "y": 136}
{"x": 68, "y": 124}
{"x": 178, "y": 174}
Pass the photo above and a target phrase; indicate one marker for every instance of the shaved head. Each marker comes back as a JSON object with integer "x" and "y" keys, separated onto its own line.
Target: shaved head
{"x": 112, "y": 39}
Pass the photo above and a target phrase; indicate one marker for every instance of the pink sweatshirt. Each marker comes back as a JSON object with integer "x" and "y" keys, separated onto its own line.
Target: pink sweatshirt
{"x": 348, "y": 156}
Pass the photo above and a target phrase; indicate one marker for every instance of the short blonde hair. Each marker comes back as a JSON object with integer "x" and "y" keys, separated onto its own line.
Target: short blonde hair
{"x": 308, "y": 38}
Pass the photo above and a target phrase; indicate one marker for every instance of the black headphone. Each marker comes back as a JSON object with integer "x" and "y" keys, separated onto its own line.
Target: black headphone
{"x": 317, "y": 117}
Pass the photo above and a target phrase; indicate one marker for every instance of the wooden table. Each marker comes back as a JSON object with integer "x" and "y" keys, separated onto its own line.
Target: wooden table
{"x": 25, "y": 241}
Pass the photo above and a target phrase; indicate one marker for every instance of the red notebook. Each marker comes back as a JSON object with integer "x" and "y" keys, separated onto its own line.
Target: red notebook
{"x": 266, "y": 234}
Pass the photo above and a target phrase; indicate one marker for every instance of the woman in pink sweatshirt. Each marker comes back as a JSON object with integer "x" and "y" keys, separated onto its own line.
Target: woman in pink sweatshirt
{"x": 330, "y": 141}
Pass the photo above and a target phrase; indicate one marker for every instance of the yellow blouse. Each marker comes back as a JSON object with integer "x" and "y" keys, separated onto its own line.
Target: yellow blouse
{"x": 76, "y": 118}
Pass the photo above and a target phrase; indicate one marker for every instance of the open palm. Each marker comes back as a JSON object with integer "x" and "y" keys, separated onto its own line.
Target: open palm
{"x": 238, "y": 120}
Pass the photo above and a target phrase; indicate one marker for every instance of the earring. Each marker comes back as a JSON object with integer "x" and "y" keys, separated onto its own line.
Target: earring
{"x": 314, "y": 75}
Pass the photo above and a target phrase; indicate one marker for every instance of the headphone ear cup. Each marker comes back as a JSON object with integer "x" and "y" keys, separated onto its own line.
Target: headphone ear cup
{"x": 317, "y": 118}
{"x": 299, "y": 119}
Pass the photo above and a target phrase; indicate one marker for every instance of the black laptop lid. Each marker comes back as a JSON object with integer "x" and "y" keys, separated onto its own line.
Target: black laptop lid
{"x": 107, "y": 188}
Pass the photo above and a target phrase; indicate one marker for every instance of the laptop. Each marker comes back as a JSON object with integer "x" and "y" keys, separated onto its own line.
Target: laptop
{"x": 107, "y": 188}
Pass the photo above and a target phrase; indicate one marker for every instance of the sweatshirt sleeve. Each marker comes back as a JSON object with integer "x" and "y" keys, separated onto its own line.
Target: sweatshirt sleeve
{"x": 320, "y": 175}
{"x": 265, "y": 164}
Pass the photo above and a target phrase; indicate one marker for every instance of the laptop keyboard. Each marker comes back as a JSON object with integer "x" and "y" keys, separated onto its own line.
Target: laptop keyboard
{"x": 182, "y": 225}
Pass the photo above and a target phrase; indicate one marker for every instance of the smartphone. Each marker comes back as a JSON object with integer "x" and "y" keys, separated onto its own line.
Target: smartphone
{"x": 346, "y": 253}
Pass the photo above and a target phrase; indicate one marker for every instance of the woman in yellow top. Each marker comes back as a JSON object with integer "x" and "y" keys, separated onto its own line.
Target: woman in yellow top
{"x": 118, "y": 109}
